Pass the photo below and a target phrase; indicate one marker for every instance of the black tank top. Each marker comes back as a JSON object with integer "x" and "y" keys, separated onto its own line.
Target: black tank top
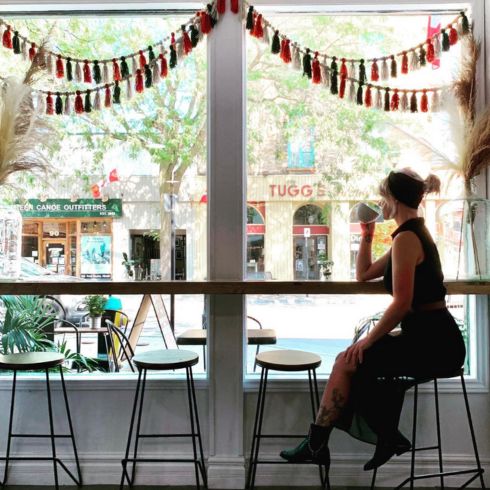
{"x": 428, "y": 284}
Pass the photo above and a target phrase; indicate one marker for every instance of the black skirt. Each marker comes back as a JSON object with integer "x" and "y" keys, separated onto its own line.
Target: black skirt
{"x": 430, "y": 344}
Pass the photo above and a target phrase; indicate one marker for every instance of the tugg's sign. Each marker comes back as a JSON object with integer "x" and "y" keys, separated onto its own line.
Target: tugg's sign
{"x": 65, "y": 208}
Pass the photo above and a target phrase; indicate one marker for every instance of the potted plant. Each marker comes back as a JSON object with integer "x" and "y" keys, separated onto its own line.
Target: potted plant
{"x": 96, "y": 306}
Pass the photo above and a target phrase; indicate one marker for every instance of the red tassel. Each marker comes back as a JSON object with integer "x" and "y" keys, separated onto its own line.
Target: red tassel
{"x": 187, "y": 41}
{"x": 87, "y": 73}
{"x": 205, "y": 23}
{"x": 453, "y": 36}
{"x": 108, "y": 96}
{"x": 32, "y": 51}
{"x": 258, "y": 30}
{"x": 163, "y": 66}
{"x": 343, "y": 69}
{"x": 252, "y": 31}
{"x": 235, "y": 7}
{"x": 424, "y": 102}
{"x": 430, "y": 55}
{"x": 78, "y": 103}
{"x": 315, "y": 69}
{"x": 60, "y": 69}
{"x": 139, "y": 81}
{"x": 343, "y": 82}
{"x": 374, "y": 71}
{"x": 116, "y": 71}
{"x": 368, "y": 99}
{"x": 7, "y": 38}
{"x": 143, "y": 58}
{"x": 285, "y": 51}
{"x": 221, "y": 6}
{"x": 49, "y": 104}
{"x": 395, "y": 101}
{"x": 404, "y": 63}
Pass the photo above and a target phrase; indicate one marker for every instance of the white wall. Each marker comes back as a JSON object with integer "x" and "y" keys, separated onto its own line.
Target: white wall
{"x": 101, "y": 408}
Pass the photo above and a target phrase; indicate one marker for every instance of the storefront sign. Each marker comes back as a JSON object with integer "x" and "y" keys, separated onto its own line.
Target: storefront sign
{"x": 302, "y": 191}
{"x": 65, "y": 208}
{"x": 96, "y": 257}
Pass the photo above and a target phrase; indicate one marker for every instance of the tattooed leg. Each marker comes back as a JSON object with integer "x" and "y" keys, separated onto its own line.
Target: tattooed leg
{"x": 328, "y": 414}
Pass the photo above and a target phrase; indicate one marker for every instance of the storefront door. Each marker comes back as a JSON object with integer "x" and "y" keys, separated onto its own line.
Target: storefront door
{"x": 306, "y": 252}
{"x": 54, "y": 256}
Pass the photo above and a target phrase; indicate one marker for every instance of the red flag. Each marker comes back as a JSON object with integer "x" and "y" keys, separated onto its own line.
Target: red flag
{"x": 113, "y": 177}
{"x": 434, "y": 27}
{"x": 95, "y": 191}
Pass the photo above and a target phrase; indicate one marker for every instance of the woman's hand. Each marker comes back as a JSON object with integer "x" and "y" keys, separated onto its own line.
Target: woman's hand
{"x": 355, "y": 353}
{"x": 367, "y": 229}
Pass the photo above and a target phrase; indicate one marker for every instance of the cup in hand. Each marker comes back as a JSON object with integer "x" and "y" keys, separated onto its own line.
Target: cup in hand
{"x": 366, "y": 213}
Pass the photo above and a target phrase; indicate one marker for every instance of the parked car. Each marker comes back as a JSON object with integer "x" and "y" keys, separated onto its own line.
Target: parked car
{"x": 30, "y": 271}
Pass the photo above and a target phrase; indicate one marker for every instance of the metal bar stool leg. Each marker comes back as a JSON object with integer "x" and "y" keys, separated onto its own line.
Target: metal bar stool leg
{"x": 9, "y": 439}
{"x": 198, "y": 426}
{"x": 138, "y": 427}
{"x": 51, "y": 431}
{"x": 254, "y": 436}
{"x": 124, "y": 462}
{"x": 70, "y": 424}
{"x": 438, "y": 427}
{"x": 414, "y": 435}
{"x": 472, "y": 431}
{"x": 373, "y": 479}
{"x": 191, "y": 415}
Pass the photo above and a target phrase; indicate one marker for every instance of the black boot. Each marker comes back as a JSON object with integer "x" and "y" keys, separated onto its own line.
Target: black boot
{"x": 386, "y": 449}
{"x": 313, "y": 449}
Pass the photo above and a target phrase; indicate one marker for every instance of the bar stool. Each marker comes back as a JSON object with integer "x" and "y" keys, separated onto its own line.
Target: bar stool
{"x": 285, "y": 361}
{"x": 477, "y": 472}
{"x": 164, "y": 360}
{"x": 39, "y": 361}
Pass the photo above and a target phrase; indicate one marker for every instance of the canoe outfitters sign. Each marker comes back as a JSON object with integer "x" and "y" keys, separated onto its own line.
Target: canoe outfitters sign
{"x": 66, "y": 208}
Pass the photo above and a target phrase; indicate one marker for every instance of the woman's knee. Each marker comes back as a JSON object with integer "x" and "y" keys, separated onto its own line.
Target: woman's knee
{"x": 343, "y": 366}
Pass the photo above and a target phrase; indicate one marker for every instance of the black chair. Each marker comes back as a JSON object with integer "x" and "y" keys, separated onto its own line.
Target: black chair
{"x": 123, "y": 352}
{"x": 39, "y": 361}
{"x": 286, "y": 361}
{"x": 164, "y": 360}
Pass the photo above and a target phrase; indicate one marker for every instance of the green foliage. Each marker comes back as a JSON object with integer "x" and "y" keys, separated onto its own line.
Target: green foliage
{"x": 95, "y": 304}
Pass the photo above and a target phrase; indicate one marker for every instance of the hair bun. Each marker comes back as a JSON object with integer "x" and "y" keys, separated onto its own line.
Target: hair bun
{"x": 432, "y": 184}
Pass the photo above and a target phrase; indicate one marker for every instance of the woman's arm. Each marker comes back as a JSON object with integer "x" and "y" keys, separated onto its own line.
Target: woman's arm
{"x": 407, "y": 252}
{"x": 365, "y": 268}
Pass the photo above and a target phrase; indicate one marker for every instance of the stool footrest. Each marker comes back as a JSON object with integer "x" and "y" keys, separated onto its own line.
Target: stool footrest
{"x": 159, "y": 460}
{"x": 476, "y": 472}
{"x": 425, "y": 448}
{"x": 42, "y": 435}
{"x": 280, "y": 436}
{"x": 151, "y": 436}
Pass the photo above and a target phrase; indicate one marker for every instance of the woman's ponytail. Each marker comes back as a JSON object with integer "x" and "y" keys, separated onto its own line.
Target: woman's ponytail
{"x": 432, "y": 184}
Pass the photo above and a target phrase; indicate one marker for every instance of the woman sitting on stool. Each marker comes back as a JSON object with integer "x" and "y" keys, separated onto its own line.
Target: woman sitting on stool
{"x": 363, "y": 395}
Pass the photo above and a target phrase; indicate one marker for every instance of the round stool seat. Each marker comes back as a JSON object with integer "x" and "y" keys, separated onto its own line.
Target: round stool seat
{"x": 288, "y": 360}
{"x": 31, "y": 360}
{"x": 166, "y": 359}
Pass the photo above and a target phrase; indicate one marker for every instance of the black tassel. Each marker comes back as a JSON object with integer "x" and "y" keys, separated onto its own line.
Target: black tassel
{"x": 124, "y": 67}
{"x": 394, "y": 68}
{"x": 69, "y": 70}
{"x": 276, "y": 43}
{"x": 359, "y": 95}
{"x": 16, "y": 42}
{"x": 173, "y": 57}
{"x": 465, "y": 25}
{"x": 116, "y": 95}
{"x": 212, "y": 15}
{"x": 194, "y": 35}
{"x": 362, "y": 72}
{"x": 97, "y": 76}
{"x": 334, "y": 88}
{"x": 307, "y": 63}
{"x": 87, "y": 107}
{"x": 148, "y": 76}
{"x": 422, "y": 56}
{"x": 445, "y": 40}
{"x": 250, "y": 18}
{"x": 413, "y": 103}
{"x": 387, "y": 100}
{"x": 151, "y": 54}
{"x": 58, "y": 105}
